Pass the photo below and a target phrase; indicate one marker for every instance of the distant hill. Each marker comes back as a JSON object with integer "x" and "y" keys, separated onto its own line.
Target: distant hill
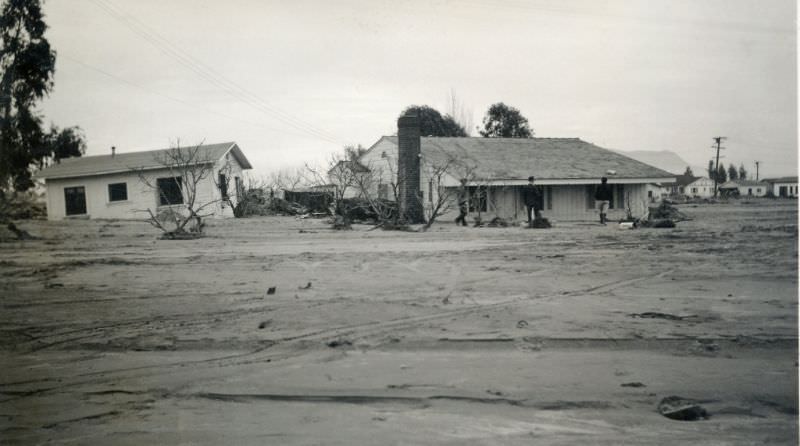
{"x": 664, "y": 160}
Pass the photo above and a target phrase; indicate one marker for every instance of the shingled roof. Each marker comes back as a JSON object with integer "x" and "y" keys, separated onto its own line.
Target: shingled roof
{"x": 544, "y": 158}
{"x": 143, "y": 160}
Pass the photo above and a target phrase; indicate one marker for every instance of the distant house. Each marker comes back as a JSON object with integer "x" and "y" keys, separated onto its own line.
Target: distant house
{"x": 701, "y": 187}
{"x": 567, "y": 169}
{"x": 783, "y": 186}
{"x": 744, "y": 188}
{"x": 679, "y": 187}
{"x": 110, "y": 186}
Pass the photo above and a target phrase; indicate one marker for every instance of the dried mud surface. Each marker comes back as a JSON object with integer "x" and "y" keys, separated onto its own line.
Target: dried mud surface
{"x": 456, "y": 336}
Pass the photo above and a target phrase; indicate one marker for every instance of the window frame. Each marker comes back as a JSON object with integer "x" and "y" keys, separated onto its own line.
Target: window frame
{"x": 162, "y": 197}
{"x": 111, "y": 195}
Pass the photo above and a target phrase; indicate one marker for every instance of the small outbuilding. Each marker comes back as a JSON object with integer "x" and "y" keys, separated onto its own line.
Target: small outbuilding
{"x": 744, "y": 188}
{"x": 124, "y": 185}
{"x": 783, "y": 186}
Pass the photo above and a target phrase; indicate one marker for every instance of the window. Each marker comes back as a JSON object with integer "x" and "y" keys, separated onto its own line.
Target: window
{"x": 758, "y": 190}
{"x": 117, "y": 192}
{"x": 383, "y": 191}
{"x": 694, "y": 190}
{"x": 75, "y": 200}
{"x": 223, "y": 186}
{"x": 169, "y": 191}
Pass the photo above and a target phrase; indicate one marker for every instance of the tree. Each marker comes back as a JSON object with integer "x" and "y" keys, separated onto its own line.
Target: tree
{"x": 503, "y": 121}
{"x": 742, "y": 172}
{"x": 733, "y": 174}
{"x": 432, "y": 123}
{"x": 688, "y": 172}
{"x": 27, "y": 63}
{"x": 183, "y": 213}
{"x": 722, "y": 175}
{"x": 712, "y": 173}
{"x": 459, "y": 112}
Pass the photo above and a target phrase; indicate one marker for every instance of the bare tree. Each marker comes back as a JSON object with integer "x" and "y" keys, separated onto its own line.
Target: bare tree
{"x": 339, "y": 177}
{"x": 182, "y": 211}
{"x": 441, "y": 170}
{"x": 460, "y": 113}
{"x": 289, "y": 178}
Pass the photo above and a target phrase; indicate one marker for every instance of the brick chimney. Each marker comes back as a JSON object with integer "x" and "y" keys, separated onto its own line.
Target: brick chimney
{"x": 408, "y": 167}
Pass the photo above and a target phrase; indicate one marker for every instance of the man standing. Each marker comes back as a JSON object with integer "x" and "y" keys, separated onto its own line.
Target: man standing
{"x": 532, "y": 199}
{"x": 462, "y": 204}
{"x": 603, "y": 196}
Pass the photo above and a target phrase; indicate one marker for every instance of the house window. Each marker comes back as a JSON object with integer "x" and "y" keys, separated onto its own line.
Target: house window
{"x": 118, "y": 192}
{"x": 758, "y": 191}
{"x": 649, "y": 194}
{"x": 75, "y": 200}
{"x": 694, "y": 190}
{"x": 383, "y": 191}
{"x": 169, "y": 191}
{"x": 223, "y": 186}
{"x": 750, "y": 191}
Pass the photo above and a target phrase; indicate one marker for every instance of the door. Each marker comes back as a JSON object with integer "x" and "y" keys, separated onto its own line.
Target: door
{"x": 75, "y": 200}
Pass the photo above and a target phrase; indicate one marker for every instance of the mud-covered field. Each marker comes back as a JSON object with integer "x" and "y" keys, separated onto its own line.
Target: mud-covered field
{"x": 456, "y": 336}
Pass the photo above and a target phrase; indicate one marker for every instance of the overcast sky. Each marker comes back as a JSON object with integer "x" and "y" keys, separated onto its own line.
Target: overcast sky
{"x": 293, "y": 81}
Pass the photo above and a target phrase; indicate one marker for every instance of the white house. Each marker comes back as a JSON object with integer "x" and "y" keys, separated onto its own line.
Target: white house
{"x": 700, "y": 188}
{"x": 744, "y": 188}
{"x": 567, "y": 169}
{"x": 783, "y": 187}
{"x": 112, "y": 186}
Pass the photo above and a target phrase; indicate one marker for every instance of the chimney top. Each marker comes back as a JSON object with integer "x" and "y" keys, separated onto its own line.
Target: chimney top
{"x": 409, "y": 119}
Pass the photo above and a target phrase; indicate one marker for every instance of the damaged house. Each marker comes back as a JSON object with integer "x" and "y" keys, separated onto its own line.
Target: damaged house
{"x": 495, "y": 169}
{"x": 111, "y": 186}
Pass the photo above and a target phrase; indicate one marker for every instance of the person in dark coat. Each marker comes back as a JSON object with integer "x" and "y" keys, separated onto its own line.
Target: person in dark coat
{"x": 532, "y": 197}
{"x": 602, "y": 198}
{"x": 463, "y": 202}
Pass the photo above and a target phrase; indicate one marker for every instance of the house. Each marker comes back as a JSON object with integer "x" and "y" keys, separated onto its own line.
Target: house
{"x": 116, "y": 185}
{"x": 741, "y": 188}
{"x": 567, "y": 169}
{"x": 679, "y": 187}
{"x": 701, "y": 187}
{"x": 783, "y": 186}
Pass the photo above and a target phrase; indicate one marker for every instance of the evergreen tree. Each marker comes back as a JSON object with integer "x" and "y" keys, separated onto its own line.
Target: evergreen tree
{"x": 742, "y": 172}
{"x": 722, "y": 174}
{"x": 27, "y": 64}
{"x": 503, "y": 121}
{"x": 688, "y": 172}
{"x": 733, "y": 174}
{"x": 712, "y": 173}
{"x": 432, "y": 123}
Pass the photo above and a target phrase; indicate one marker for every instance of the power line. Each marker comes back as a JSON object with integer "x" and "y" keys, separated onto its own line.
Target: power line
{"x": 171, "y": 98}
{"x": 209, "y": 74}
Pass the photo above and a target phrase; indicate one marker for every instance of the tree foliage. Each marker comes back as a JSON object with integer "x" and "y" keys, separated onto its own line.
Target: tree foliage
{"x": 742, "y": 172}
{"x": 712, "y": 173}
{"x": 733, "y": 174}
{"x": 27, "y": 64}
{"x": 503, "y": 121}
{"x": 722, "y": 174}
{"x": 688, "y": 172}
{"x": 433, "y": 123}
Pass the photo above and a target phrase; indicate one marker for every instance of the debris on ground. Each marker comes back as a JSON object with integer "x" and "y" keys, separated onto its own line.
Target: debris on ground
{"x": 12, "y": 232}
{"x": 498, "y": 222}
{"x": 682, "y": 409}
{"x": 264, "y": 324}
{"x": 656, "y": 315}
{"x": 658, "y": 223}
{"x": 271, "y": 290}
{"x": 339, "y": 343}
{"x": 522, "y": 324}
{"x": 666, "y": 211}
{"x": 633, "y": 384}
{"x": 308, "y": 286}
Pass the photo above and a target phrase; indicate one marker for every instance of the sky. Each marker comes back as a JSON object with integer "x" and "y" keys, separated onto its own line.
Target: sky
{"x": 293, "y": 82}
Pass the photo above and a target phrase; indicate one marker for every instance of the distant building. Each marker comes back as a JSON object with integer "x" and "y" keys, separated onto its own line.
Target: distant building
{"x": 110, "y": 186}
{"x": 680, "y": 184}
{"x": 744, "y": 188}
{"x": 783, "y": 186}
{"x": 700, "y": 188}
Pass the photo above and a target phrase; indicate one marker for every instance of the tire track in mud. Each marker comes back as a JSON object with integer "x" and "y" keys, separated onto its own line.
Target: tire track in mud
{"x": 295, "y": 346}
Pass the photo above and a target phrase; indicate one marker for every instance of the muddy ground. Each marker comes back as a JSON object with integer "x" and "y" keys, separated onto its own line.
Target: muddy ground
{"x": 455, "y": 336}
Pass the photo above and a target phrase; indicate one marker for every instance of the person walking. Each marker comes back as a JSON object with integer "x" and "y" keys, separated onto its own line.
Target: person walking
{"x": 463, "y": 201}
{"x": 532, "y": 198}
{"x": 602, "y": 198}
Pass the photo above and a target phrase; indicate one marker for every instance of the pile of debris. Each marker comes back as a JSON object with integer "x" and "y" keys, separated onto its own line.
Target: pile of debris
{"x": 21, "y": 206}
{"x": 663, "y": 216}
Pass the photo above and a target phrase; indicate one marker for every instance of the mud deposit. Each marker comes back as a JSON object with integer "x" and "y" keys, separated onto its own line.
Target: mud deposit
{"x": 457, "y": 336}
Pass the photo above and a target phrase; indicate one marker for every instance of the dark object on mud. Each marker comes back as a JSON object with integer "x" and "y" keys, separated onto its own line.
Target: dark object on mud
{"x": 20, "y": 233}
{"x": 271, "y": 290}
{"x": 633, "y": 384}
{"x": 656, "y": 315}
{"x": 341, "y": 223}
{"x": 665, "y": 211}
{"x": 682, "y": 409}
{"x": 308, "y": 286}
{"x": 498, "y": 222}
{"x": 541, "y": 223}
{"x": 264, "y": 324}
{"x": 657, "y": 223}
{"x": 522, "y": 324}
{"x": 181, "y": 235}
{"x": 339, "y": 343}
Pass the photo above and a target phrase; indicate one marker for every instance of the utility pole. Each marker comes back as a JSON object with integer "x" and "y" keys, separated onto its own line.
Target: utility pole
{"x": 757, "y": 163}
{"x": 718, "y": 140}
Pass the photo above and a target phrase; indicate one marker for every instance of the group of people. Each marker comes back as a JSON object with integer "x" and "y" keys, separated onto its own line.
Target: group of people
{"x": 533, "y": 200}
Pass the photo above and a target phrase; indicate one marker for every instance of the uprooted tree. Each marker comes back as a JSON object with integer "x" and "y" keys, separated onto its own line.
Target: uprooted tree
{"x": 339, "y": 177}
{"x": 185, "y": 170}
